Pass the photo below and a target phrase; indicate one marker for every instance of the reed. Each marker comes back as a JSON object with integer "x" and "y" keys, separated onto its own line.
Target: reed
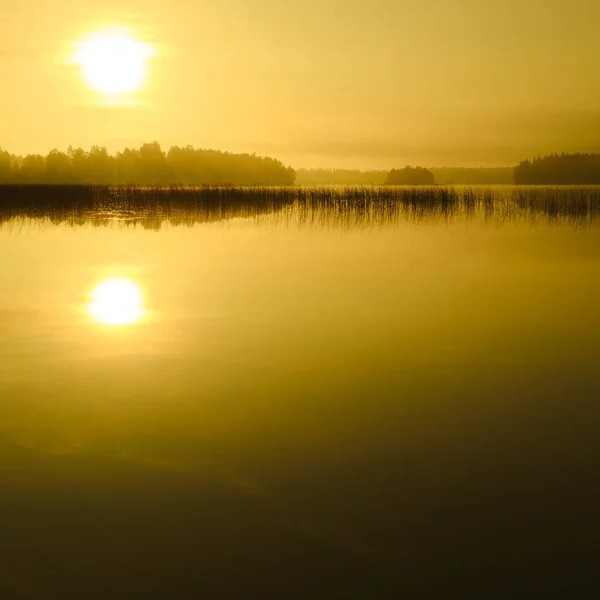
{"x": 340, "y": 206}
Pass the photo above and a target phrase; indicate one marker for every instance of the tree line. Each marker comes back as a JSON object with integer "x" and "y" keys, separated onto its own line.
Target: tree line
{"x": 473, "y": 175}
{"x": 410, "y": 176}
{"x": 442, "y": 176}
{"x": 339, "y": 177}
{"x": 559, "y": 169}
{"x": 147, "y": 165}
{"x": 555, "y": 169}
{"x": 405, "y": 176}
{"x": 150, "y": 165}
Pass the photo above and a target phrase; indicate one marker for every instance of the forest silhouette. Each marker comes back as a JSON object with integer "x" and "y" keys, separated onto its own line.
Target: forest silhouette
{"x": 555, "y": 169}
{"x": 150, "y": 165}
{"x": 410, "y": 176}
{"x": 443, "y": 176}
{"x": 147, "y": 165}
{"x": 559, "y": 169}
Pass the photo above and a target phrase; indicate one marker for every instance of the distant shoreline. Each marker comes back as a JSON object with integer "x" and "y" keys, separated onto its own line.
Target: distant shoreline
{"x": 149, "y": 165}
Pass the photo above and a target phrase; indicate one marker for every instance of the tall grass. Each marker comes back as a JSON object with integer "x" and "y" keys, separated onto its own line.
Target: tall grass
{"x": 333, "y": 205}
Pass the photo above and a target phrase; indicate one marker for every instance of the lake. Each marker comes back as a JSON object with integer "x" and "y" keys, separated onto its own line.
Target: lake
{"x": 304, "y": 399}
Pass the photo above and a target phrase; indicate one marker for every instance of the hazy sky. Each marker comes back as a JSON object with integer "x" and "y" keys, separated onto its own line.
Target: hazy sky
{"x": 354, "y": 83}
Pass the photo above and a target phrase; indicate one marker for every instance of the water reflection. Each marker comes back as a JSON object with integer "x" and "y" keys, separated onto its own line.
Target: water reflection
{"x": 116, "y": 302}
{"x": 331, "y": 206}
{"x": 329, "y": 387}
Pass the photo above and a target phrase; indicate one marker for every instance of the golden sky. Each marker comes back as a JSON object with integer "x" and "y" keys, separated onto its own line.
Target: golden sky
{"x": 348, "y": 83}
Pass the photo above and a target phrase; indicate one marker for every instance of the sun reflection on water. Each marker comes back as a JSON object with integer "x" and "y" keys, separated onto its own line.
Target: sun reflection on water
{"x": 116, "y": 302}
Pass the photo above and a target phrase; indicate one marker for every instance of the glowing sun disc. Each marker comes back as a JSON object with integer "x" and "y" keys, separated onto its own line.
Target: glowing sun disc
{"x": 113, "y": 62}
{"x": 116, "y": 302}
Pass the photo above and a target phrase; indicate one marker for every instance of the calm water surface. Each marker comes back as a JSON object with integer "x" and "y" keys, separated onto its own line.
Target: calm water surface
{"x": 407, "y": 409}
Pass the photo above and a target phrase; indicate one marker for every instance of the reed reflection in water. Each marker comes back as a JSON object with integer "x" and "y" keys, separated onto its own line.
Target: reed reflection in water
{"x": 334, "y": 205}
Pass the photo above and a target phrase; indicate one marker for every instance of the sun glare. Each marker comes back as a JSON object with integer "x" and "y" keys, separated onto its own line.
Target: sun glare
{"x": 113, "y": 62}
{"x": 116, "y": 302}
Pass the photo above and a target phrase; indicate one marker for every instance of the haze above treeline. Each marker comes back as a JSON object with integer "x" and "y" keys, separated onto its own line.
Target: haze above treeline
{"x": 361, "y": 84}
{"x": 150, "y": 165}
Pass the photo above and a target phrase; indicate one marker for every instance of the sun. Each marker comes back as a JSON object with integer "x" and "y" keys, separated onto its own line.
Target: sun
{"x": 116, "y": 302}
{"x": 113, "y": 62}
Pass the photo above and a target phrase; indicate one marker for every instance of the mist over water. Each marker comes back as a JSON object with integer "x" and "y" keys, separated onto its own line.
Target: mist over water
{"x": 322, "y": 391}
